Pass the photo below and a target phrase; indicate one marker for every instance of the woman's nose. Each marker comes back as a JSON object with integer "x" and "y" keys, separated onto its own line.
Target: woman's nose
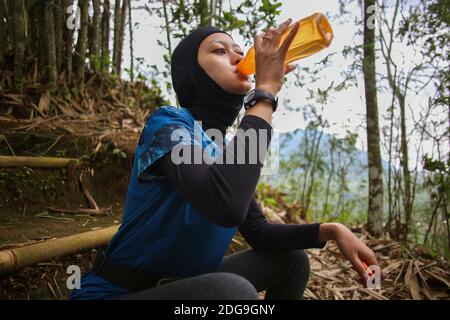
{"x": 236, "y": 58}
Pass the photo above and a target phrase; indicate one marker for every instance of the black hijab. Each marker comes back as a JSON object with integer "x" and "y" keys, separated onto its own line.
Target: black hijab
{"x": 196, "y": 90}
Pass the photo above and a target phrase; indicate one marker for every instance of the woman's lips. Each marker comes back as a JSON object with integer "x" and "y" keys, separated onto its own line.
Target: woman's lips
{"x": 241, "y": 76}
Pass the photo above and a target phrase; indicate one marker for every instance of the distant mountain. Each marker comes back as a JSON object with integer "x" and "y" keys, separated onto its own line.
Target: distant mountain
{"x": 291, "y": 143}
{"x": 356, "y": 179}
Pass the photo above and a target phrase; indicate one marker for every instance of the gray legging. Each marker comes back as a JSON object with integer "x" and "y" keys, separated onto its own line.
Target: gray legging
{"x": 240, "y": 276}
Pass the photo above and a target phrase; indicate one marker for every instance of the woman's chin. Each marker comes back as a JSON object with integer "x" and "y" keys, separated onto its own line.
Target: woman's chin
{"x": 245, "y": 87}
{"x": 242, "y": 87}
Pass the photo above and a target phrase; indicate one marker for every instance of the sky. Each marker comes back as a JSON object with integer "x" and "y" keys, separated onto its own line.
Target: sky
{"x": 346, "y": 110}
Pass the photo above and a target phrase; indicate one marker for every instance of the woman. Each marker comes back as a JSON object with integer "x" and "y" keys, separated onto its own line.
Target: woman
{"x": 181, "y": 216}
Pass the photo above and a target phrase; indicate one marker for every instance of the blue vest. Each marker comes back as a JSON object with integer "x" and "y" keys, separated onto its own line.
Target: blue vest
{"x": 161, "y": 233}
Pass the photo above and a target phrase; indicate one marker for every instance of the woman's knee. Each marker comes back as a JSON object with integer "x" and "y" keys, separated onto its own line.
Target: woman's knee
{"x": 208, "y": 286}
{"x": 299, "y": 260}
{"x": 234, "y": 287}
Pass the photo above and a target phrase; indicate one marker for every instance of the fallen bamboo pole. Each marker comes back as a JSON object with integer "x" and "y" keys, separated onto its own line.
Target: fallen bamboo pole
{"x": 93, "y": 212}
{"x": 12, "y": 260}
{"x": 35, "y": 162}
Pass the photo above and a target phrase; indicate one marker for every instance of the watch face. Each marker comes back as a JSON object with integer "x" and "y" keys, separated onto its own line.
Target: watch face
{"x": 249, "y": 96}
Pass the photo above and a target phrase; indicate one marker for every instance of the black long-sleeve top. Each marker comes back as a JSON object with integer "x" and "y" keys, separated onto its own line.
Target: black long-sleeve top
{"x": 225, "y": 193}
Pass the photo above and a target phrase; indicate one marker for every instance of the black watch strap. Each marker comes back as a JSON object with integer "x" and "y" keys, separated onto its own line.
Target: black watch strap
{"x": 256, "y": 95}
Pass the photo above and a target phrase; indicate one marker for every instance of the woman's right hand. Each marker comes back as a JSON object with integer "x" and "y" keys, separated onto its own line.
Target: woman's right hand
{"x": 270, "y": 57}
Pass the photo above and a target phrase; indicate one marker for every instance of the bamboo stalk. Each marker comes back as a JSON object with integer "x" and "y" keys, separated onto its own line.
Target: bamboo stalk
{"x": 96, "y": 212}
{"x": 12, "y": 260}
{"x": 35, "y": 162}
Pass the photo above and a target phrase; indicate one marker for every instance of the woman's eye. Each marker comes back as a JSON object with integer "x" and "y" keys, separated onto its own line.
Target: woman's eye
{"x": 224, "y": 51}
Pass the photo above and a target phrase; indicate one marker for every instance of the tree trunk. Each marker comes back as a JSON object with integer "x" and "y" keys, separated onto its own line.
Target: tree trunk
{"x": 166, "y": 21}
{"x": 32, "y": 9}
{"x": 59, "y": 27}
{"x": 325, "y": 212}
{"x": 123, "y": 16}
{"x": 68, "y": 44}
{"x": 407, "y": 203}
{"x": 212, "y": 10}
{"x": 105, "y": 36}
{"x": 18, "y": 14}
{"x": 116, "y": 40}
{"x": 312, "y": 175}
{"x": 3, "y": 34}
{"x": 95, "y": 40}
{"x": 10, "y": 22}
{"x": 42, "y": 40}
{"x": 82, "y": 44}
{"x": 51, "y": 50}
{"x": 342, "y": 186}
{"x": 220, "y": 8}
{"x": 375, "y": 210}
{"x": 303, "y": 212}
{"x": 390, "y": 150}
{"x": 131, "y": 42}
{"x": 407, "y": 197}
{"x": 205, "y": 17}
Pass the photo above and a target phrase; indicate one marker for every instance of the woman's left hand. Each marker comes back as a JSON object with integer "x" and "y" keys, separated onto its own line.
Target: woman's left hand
{"x": 351, "y": 247}
{"x": 356, "y": 252}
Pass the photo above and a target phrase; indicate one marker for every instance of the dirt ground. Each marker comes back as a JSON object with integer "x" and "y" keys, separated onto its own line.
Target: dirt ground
{"x": 30, "y": 197}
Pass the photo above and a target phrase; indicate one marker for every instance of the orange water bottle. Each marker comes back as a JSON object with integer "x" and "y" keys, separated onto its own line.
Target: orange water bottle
{"x": 315, "y": 34}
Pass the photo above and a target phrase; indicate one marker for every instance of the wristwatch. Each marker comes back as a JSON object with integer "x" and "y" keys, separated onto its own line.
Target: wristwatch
{"x": 256, "y": 95}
